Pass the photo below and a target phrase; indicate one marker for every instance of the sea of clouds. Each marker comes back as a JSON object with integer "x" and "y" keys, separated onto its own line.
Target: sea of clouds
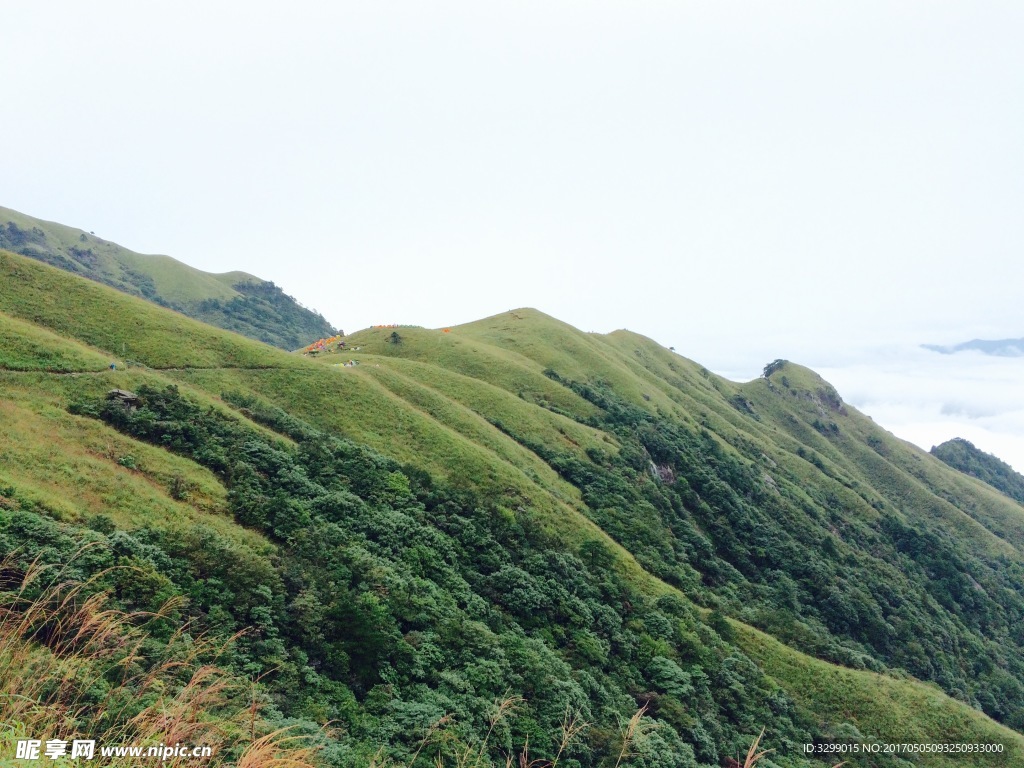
{"x": 927, "y": 398}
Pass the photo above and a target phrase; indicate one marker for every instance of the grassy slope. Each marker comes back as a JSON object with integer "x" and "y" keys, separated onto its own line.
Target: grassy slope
{"x": 27, "y": 347}
{"x": 125, "y": 329}
{"x": 203, "y": 358}
{"x": 894, "y": 711}
{"x": 863, "y": 463}
{"x": 174, "y": 281}
{"x": 180, "y": 283}
{"x": 83, "y": 468}
{"x": 903, "y": 475}
{"x": 432, "y": 401}
{"x": 234, "y": 300}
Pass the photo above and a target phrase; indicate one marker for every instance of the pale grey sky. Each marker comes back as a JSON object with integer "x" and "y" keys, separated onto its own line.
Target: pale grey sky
{"x": 740, "y": 180}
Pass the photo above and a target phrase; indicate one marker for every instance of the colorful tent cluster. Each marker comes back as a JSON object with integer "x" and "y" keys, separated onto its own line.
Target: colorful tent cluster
{"x": 322, "y": 344}
{"x": 391, "y": 325}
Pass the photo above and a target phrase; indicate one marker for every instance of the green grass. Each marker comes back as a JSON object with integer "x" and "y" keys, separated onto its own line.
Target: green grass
{"x": 234, "y": 300}
{"x": 179, "y": 283}
{"x": 353, "y": 404}
{"x": 174, "y": 281}
{"x": 894, "y": 471}
{"x": 473, "y": 426}
{"x": 27, "y": 347}
{"x": 459, "y": 352}
{"x": 552, "y": 344}
{"x": 893, "y": 711}
{"x": 76, "y": 467}
{"x": 466, "y": 406}
{"x": 125, "y": 328}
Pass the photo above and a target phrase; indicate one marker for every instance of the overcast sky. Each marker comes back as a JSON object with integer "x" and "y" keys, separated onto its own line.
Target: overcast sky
{"x": 824, "y": 182}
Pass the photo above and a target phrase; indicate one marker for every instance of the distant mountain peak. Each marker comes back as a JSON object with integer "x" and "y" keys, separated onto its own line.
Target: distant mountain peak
{"x": 961, "y": 454}
{"x": 994, "y": 347}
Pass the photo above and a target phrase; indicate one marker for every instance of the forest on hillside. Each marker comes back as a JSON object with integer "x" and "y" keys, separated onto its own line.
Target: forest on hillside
{"x": 502, "y": 541}
{"x": 963, "y": 455}
{"x": 261, "y": 310}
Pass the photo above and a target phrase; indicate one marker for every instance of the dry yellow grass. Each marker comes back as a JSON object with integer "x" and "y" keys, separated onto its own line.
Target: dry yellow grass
{"x": 72, "y": 667}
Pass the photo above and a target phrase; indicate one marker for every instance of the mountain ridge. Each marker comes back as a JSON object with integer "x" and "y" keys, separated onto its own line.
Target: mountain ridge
{"x": 236, "y": 301}
{"x": 726, "y": 546}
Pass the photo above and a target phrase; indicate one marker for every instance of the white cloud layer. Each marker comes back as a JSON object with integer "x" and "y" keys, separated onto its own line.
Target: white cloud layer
{"x": 928, "y": 398}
